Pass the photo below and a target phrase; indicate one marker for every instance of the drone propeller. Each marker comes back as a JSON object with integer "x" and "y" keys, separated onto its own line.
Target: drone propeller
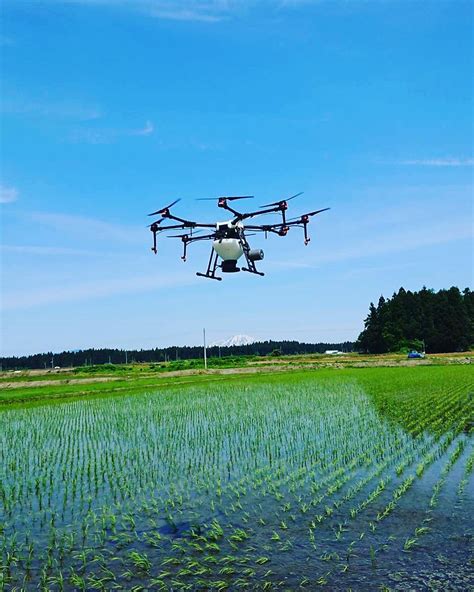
{"x": 317, "y": 212}
{"x": 155, "y": 223}
{"x": 230, "y": 198}
{"x": 277, "y": 203}
{"x": 308, "y": 215}
{"x": 165, "y": 208}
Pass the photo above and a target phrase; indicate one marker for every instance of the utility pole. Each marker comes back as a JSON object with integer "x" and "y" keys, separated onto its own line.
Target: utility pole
{"x": 205, "y": 353}
{"x": 126, "y": 357}
{"x": 52, "y": 361}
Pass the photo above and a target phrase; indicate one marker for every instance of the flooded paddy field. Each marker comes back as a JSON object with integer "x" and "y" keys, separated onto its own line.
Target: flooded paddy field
{"x": 354, "y": 479}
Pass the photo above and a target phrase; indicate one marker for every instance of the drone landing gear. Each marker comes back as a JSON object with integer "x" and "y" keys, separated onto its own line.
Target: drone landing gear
{"x": 211, "y": 267}
{"x": 250, "y": 256}
{"x": 254, "y": 270}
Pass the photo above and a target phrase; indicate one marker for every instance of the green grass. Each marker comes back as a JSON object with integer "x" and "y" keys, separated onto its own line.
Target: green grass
{"x": 110, "y": 378}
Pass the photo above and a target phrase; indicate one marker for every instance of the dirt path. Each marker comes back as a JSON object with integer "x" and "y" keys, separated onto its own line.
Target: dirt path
{"x": 37, "y": 383}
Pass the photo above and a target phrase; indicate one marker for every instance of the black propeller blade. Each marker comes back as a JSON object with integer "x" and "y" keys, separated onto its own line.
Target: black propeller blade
{"x": 230, "y": 198}
{"x": 165, "y": 208}
{"x": 277, "y": 203}
{"x": 309, "y": 214}
{"x": 155, "y": 223}
{"x": 316, "y": 212}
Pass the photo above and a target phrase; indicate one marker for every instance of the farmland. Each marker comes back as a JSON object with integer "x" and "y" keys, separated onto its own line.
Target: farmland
{"x": 337, "y": 478}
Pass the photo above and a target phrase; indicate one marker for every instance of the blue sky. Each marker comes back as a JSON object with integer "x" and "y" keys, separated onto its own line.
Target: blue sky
{"x": 113, "y": 108}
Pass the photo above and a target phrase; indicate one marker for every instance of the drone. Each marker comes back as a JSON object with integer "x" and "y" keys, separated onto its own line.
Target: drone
{"x": 229, "y": 239}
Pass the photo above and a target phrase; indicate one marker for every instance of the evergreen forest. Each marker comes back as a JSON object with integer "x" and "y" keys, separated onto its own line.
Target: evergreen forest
{"x": 436, "y": 322}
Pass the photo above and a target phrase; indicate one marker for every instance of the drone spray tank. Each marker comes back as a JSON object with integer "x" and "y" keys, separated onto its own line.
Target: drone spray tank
{"x": 230, "y": 246}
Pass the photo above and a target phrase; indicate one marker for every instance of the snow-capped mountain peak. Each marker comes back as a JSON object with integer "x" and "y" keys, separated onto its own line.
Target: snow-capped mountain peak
{"x": 236, "y": 340}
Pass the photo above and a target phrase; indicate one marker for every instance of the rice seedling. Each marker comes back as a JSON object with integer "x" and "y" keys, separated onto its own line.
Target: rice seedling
{"x": 205, "y": 487}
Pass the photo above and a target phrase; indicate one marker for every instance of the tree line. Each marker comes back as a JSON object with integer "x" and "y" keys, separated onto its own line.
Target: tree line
{"x": 440, "y": 321}
{"x": 90, "y": 357}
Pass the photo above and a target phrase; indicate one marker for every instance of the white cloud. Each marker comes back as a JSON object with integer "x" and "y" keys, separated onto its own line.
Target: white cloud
{"x": 448, "y": 161}
{"x": 27, "y": 298}
{"x": 109, "y": 135}
{"x": 402, "y": 240}
{"x": 86, "y": 227}
{"x": 8, "y": 194}
{"x": 399, "y": 240}
{"x": 39, "y": 250}
{"x": 210, "y": 11}
{"x": 186, "y": 14}
{"x": 203, "y": 11}
{"x": 147, "y": 130}
{"x": 90, "y": 136}
{"x": 17, "y": 105}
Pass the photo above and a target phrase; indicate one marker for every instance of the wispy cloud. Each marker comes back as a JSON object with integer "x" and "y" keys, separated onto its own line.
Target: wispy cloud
{"x": 187, "y": 14}
{"x": 27, "y": 298}
{"x": 202, "y": 11}
{"x": 403, "y": 239}
{"x": 448, "y": 161}
{"x": 210, "y": 11}
{"x": 399, "y": 240}
{"x": 89, "y": 228}
{"x": 46, "y": 251}
{"x": 109, "y": 135}
{"x": 8, "y": 194}
{"x": 147, "y": 130}
{"x": 17, "y": 105}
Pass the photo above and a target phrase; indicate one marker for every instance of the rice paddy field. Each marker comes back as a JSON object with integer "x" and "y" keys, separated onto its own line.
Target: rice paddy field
{"x": 353, "y": 479}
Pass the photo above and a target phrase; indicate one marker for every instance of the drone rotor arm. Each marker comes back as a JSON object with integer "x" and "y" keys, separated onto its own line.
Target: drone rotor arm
{"x": 172, "y": 227}
{"x": 188, "y": 239}
{"x": 253, "y": 214}
{"x": 203, "y": 225}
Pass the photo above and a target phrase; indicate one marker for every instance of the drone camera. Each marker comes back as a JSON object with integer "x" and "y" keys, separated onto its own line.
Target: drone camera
{"x": 256, "y": 254}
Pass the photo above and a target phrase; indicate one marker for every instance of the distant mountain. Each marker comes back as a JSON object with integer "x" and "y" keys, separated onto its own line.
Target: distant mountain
{"x": 236, "y": 340}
